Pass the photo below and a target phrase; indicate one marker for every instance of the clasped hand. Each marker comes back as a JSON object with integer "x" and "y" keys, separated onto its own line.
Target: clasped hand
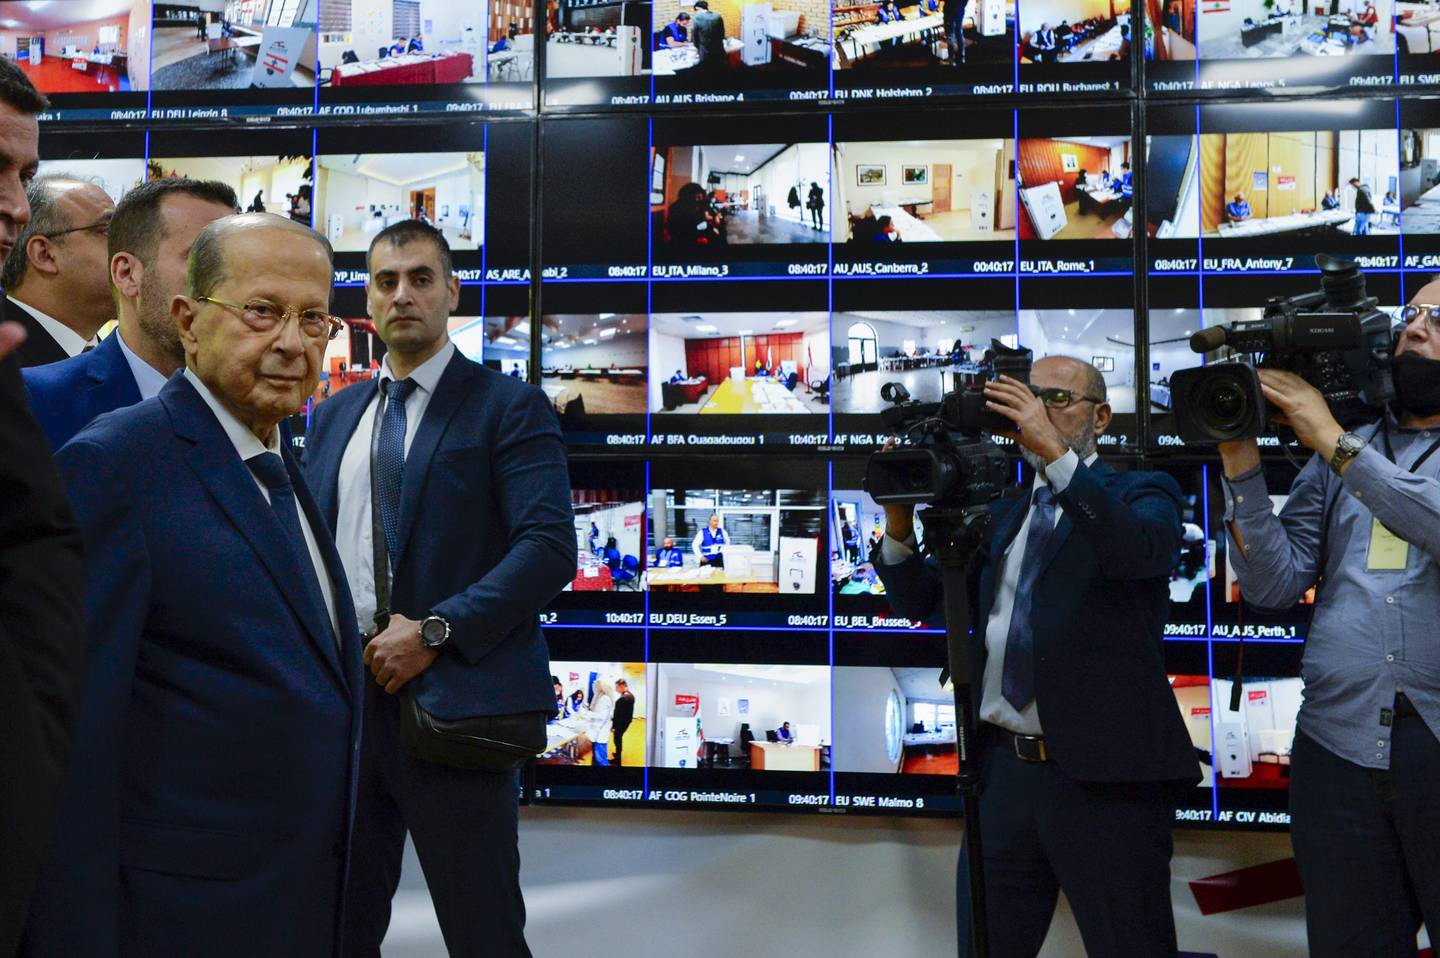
{"x": 397, "y": 655}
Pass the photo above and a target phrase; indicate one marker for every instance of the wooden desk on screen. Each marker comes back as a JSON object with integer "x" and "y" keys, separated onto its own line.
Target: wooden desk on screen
{"x": 775, "y": 757}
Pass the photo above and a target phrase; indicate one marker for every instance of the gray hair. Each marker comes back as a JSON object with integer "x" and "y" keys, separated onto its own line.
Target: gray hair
{"x": 206, "y": 268}
{"x": 46, "y": 218}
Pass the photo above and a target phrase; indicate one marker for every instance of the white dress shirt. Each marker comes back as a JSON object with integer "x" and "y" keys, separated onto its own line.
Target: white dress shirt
{"x": 247, "y": 445}
{"x": 994, "y": 708}
{"x": 65, "y": 337}
{"x": 352, "y": 526}
{"x": 148, "y": 379}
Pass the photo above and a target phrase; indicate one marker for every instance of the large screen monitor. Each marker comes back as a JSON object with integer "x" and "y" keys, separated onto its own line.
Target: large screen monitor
{"x": 218, "y": 59}
{"x": 92, "y": 58}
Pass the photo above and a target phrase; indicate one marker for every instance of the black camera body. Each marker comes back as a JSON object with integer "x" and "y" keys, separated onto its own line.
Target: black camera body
{"x": 951, "y": 463}
{"x": 1335, "y": 339}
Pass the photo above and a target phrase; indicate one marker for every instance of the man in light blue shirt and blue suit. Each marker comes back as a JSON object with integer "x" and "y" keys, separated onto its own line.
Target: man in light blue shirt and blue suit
{"x": 1362, "y": 525}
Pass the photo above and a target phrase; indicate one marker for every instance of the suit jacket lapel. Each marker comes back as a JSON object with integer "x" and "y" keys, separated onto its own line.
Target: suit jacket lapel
{"x": 1064, "y": 527}
{"x": 112, "y": 384}
{"x": 231, "y": 484}
{"x": 349, "y": 635}
{"x": 449, "y": 393}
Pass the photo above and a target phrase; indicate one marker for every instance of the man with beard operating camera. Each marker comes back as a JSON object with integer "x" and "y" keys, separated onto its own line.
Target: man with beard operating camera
{"x": 1362, "y": 525}
{"x": 1079, "y": 743}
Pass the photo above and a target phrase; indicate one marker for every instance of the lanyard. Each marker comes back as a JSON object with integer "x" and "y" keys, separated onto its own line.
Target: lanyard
{"x": 1390, "y": 452}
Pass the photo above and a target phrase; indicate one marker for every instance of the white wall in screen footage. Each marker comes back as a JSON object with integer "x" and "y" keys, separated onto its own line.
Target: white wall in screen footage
{"x": 797, "y": 166}
{"x": 115, "y": 177}
{"x": 1225, "y": 19}
{"x": 625, "y": 521}
{"x": 1054, "y": 12}
{"x": 1086, "y": 334}
{"x": 625, "y": 352}
{"x": 445, "y": 25}
{"x": 267, "y": 175}
{"x": 369, "y": 191}
{"x": 862, "y": 702}
{"x": 974, "y": 164}
{"x": 798, "y": 694}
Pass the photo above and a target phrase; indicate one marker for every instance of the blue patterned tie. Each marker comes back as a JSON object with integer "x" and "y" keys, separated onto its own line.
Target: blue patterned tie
{"x": 270, "y": 469}
{"x": 1017, "y": 682}
{"x": 390, "y": 458}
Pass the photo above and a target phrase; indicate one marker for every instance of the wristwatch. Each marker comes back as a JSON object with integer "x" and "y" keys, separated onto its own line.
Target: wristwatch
{"x": 1346, "y": 448}
{"x": 434, "y": 631}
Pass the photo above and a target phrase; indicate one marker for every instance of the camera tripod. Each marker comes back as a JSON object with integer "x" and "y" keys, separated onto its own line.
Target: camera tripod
{"x": 956, "y": 537}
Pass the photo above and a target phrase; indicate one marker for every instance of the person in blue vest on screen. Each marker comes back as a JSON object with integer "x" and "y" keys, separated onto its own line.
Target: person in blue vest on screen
{"x": 669, "y": 557}
{"x": 784, "y": 734}
{"x": 1127, "y": 186}
{"x": 416, "y": 45}
{"x": 1238, "y": 209}
{"x": 679, "y": 377}
{"x": 676, "y": 32}
{"x": 1330, "y": 201}
{"x": 397, "y": 48}
{"x": 594, "y": 539}
{"x": 612, "y": 555}
{"x": 708, "y": 545}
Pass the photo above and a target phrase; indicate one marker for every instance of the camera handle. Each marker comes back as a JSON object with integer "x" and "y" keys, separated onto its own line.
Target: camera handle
{"x": 957, "y": 537}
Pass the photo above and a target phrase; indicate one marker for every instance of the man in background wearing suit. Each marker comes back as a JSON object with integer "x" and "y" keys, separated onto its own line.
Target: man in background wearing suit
{"x": 152, "y": 231}
{"x": 42, "y": 573}
{"x": 624, "y": 715}
{"x": 1080, "y": 743}
{"x": 476, "y": 526}
{"x": 55, "y": 277}
{"x": 211, "y": 790}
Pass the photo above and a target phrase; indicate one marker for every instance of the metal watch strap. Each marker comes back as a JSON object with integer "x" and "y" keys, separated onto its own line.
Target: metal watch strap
{"x": 1343, "y": 453}
{"x": 377, "y": 527}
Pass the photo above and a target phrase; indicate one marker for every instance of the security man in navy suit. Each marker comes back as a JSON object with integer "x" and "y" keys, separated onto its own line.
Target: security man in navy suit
{"x": 211, "y": 790}
{"x": 1081, "y": 746}
{"x": 150, "y": 237}
{"x": 474, "y": 501}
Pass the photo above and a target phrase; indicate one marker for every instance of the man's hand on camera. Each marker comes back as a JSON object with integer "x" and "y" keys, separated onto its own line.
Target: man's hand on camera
{"x": 899, "y": 520}
{"x": 1033, "y": 428}
{"x": 1300, "y": 406}
{"x": 1239, "y": 457}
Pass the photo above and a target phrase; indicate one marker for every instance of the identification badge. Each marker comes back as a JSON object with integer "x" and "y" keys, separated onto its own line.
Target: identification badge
{"x": 1388, "y": 552}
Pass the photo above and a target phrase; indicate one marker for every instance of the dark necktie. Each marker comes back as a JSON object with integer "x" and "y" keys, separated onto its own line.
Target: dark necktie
{"x": 87, "y": 347}
{"x": 389, "y": 464}
{"x": 269, "y": 468}
{"x": 1017, "y": 682}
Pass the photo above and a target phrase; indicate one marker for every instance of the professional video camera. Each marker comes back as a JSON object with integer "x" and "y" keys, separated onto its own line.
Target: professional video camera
{"x": 951, "y": 462}
{"x": 1335, "y": 339}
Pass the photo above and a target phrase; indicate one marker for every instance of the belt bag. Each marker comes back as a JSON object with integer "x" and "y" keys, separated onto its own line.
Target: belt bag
{"x": 486, "y": 743}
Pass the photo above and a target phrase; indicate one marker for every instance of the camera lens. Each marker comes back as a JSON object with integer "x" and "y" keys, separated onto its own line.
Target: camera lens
{"x": 1223, "y": 405}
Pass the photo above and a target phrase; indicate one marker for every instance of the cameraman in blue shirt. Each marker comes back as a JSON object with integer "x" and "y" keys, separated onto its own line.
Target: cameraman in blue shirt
{"x": 1362, "y": 525}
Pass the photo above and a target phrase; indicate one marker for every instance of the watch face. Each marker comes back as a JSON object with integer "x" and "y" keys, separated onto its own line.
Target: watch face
{"x": 432, "y": 632}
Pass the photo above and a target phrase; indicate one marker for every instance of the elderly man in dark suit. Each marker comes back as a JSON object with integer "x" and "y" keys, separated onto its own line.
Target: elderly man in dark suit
{"x": 154, "y": 226}
{"x": 452, "y": 477}
{"x": 210, "y": 798}
{"x": 1080, "y": 743}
